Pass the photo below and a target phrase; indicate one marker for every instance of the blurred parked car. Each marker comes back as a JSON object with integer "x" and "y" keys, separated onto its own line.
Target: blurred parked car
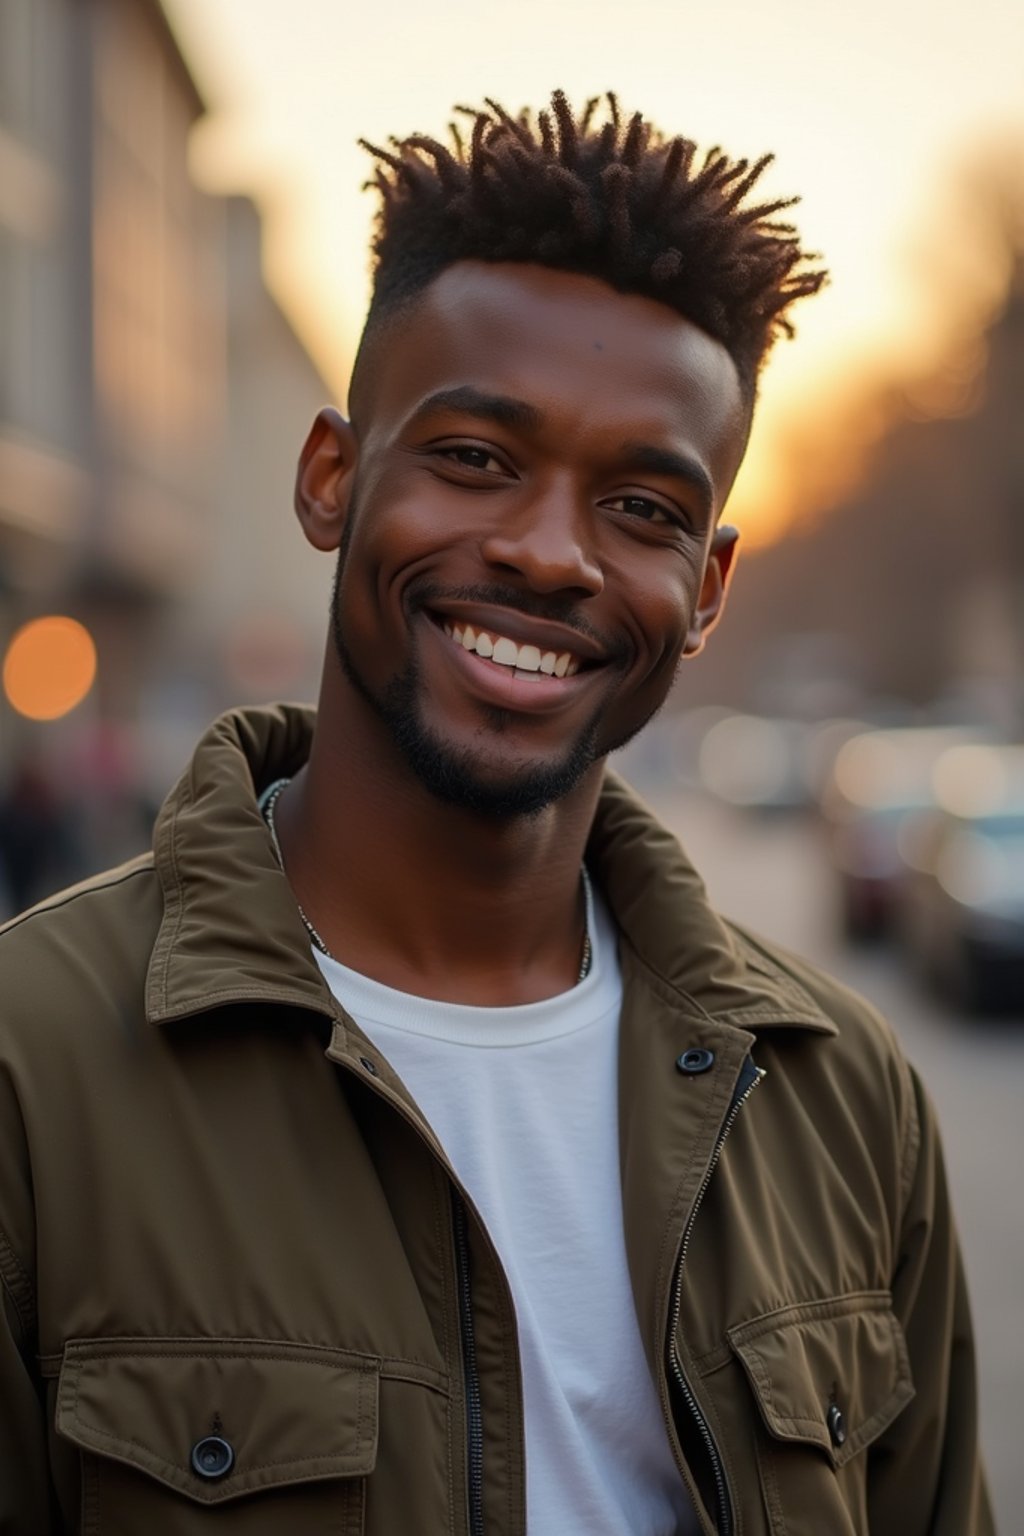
{"x": 755, "y": 762}
{"x": 962, "y": 900}
{"x": 879, "y": 789}
{"x": 762, "y": 762}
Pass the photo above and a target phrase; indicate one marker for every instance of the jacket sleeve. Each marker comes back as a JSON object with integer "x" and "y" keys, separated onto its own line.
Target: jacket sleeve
{"x": 925, "y": 1473}
{"x": 24, "y": 1480}
{"x": 25, "y": 1500}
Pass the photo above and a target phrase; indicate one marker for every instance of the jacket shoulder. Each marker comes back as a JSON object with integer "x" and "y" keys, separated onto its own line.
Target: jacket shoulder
{"x": 80, "y": 947}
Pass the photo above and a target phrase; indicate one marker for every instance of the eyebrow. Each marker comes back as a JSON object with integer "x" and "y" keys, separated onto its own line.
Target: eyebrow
{"x": 675, "y": 466}
{"x": 468, "y": 401}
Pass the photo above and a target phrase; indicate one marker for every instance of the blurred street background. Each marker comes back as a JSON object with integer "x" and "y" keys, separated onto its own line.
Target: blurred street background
{"x": 183, "y": 274}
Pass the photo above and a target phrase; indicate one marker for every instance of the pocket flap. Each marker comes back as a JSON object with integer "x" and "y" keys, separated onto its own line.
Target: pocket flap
{"x": 833, "y": 1373}
{"x": 288, "y": 1413}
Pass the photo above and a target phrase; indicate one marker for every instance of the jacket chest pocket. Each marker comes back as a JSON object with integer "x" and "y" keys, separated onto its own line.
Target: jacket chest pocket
{"x": 225, "y": 1437}
{"x": 828, "y": 1379}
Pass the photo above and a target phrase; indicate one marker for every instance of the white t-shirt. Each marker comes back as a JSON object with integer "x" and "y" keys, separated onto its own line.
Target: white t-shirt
{"x": 524, "y": 1101}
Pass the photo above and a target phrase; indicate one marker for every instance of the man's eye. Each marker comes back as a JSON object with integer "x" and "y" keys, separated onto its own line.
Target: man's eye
{"x": 472, "y": 458}
{"x": 641, "y": 507}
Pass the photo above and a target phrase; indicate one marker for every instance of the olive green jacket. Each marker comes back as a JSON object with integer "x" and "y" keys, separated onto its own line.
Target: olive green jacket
{"x": 243, "y": 1293}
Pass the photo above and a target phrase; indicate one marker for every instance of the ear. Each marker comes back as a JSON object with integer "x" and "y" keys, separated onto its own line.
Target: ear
{"x": 323, "y": 479}
{"x": 713, "y": 589}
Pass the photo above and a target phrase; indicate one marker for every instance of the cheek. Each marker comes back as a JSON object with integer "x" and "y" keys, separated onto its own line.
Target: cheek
{"x": 405, "y": 516}
{"x": 662, "y": 591}
{"x": 398, "y": 530}
{"x": 385, "y": 531}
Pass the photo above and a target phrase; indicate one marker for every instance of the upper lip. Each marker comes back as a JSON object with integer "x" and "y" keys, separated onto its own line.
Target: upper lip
{"x": 545, "y": 634}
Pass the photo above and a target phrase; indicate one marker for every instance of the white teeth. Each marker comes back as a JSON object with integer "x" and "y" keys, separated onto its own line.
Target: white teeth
{"x": 506, "y": 652}
{"x": 527, "y": 659}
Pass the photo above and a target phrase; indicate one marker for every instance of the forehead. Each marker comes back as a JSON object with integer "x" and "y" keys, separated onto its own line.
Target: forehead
{"x": 592, "y": 360}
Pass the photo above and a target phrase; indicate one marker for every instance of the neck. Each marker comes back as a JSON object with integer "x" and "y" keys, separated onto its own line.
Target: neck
{"x": 422, "y": 895}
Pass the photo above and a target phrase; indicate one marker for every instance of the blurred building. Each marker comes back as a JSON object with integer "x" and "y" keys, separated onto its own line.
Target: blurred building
{"x": 45, "y": 337}
{"x": 250, "y": 625}
{"x": 112, "y": 365}
{"x": 152, "y": 394}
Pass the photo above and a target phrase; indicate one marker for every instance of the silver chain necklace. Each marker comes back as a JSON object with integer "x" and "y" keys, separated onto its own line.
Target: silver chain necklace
{"x": 268, "y": 801}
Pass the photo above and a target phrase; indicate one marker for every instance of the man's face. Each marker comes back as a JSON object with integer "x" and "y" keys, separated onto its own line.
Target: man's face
{"x": 540, "y": 465}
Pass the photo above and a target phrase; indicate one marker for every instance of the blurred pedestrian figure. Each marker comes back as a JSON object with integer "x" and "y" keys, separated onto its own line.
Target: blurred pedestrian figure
{"x": 36, "y": 844}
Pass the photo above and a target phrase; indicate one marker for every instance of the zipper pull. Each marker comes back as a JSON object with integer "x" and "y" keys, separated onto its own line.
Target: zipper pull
{"x": 749, "y": 1076}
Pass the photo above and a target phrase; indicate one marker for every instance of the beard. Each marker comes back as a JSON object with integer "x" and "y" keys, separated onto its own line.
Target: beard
{"x": 458, "y": 775}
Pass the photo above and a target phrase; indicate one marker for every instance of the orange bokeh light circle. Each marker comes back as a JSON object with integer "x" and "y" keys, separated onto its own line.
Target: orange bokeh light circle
{"x": 49, "y": 667}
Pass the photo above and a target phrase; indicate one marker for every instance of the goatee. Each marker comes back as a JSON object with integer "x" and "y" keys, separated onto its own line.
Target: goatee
{"x": 456, "y": 775}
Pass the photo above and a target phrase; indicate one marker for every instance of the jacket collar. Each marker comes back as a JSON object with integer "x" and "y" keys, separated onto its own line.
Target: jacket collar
{"x": 231, "y": 932}
{"x": 663, "y": 914}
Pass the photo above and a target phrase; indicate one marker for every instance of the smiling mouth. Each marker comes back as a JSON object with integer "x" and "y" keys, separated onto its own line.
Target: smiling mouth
{"x": 528, "y": 662}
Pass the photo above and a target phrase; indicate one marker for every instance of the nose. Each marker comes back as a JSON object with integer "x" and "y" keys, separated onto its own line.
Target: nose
{"x": 545, "y": 542}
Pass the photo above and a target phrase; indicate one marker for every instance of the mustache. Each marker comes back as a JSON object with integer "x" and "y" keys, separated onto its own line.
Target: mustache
{"x": 531, "y": 605}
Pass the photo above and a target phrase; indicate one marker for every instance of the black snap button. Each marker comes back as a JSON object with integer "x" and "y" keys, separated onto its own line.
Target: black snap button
{"x": 695, "y": 1060}
{"x": 836, "y": 1424}
{"x": 212, "y": 1457}
{"x": 364, "y": 1061}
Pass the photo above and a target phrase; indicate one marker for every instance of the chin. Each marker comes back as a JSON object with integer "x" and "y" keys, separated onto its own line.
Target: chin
{"x": 460, "y": 778}
{"x": 483, "y": 782}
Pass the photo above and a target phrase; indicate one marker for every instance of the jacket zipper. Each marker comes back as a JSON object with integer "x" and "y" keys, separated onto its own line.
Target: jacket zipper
{"x": 471, "y": 1374}
{"x": 749, "y": 1078}
{"x": 474, "y": 1412}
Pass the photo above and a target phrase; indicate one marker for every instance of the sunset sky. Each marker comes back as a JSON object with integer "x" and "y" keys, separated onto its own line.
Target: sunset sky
{"x": 870, "y": 112}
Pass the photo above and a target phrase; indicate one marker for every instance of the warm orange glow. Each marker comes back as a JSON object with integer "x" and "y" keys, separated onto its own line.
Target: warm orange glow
{"x": 49, "y": 667}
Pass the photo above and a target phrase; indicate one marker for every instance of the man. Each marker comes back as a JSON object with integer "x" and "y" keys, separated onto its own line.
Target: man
{"x": 405, "y": 1146}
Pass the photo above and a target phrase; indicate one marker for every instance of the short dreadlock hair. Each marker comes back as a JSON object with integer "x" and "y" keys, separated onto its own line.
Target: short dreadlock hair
{"x": 613, "y": 199}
